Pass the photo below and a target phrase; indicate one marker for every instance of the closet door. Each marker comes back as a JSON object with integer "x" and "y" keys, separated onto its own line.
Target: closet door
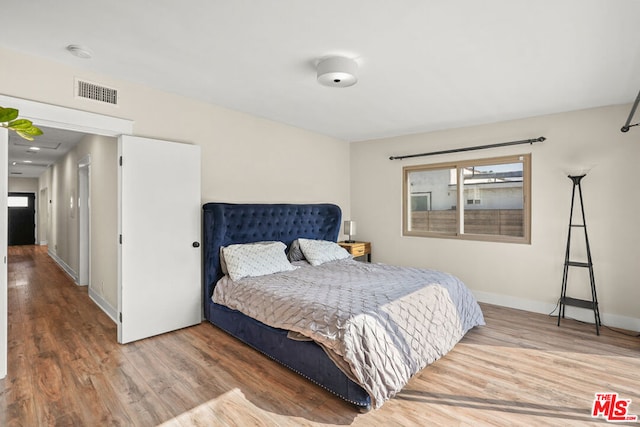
{"x": 159, "y": 261}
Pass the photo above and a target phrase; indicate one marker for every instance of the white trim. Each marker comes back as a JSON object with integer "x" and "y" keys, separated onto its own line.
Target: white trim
{"x": 612, "y": 320}
{"x": 64, "y": 266}
{"x": 4, "y": 280}
{"x": 84, "y": 220}
{"x": 54, "y": 116}
{"x": 103, "y": 304}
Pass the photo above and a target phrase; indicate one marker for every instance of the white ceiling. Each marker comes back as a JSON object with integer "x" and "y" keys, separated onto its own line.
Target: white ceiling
{"x": 424, "y": 65}
{"x": 24, "y": 162}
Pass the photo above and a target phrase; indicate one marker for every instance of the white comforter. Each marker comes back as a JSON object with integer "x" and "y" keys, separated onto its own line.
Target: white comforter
{"x": 380, "y": 323}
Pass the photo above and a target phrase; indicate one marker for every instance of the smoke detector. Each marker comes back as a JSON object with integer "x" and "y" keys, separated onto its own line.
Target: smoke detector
{"x": 337, "y": 71}
{"x": 80, "y": 51}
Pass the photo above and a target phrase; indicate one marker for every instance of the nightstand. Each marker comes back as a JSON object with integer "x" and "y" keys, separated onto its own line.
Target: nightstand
{"x": 358, "y": 249}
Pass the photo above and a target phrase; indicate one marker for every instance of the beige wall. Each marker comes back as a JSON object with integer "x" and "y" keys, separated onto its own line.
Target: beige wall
{"x": 24, "y": 185}
{"x": 104, "y": 215}
{"x": 244, "y": 158}
{"x": 524, "y": 276}
{"x": 61, "y": 180}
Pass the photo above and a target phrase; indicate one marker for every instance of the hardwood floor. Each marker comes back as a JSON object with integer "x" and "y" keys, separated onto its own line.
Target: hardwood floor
{"x": 65, "y": 368}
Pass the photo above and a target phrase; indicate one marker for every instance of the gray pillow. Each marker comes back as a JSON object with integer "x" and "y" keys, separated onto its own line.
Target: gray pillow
{"x": 223, "y": 262}
{"x": 295, "y": 253}
{"x": 318, "y": 252}
{"x": 256, "y": 259}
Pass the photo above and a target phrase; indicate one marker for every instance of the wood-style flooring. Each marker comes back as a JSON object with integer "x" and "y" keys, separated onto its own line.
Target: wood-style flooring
{"x": 66, "y": 368}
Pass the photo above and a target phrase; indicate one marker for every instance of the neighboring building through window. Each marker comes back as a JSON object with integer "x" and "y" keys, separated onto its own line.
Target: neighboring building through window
{"x": 492, "y": 203}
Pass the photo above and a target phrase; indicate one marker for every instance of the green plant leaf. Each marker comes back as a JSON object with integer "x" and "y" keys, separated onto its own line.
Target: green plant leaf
{"x": 20, "y": 124}
{"x": 23, "y": 127}
{"x": 7, "y": 114}
{"x": 32, "y": 130}
{"x": 24, "y": 135}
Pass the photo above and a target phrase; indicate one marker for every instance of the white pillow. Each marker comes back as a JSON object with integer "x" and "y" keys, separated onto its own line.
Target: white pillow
{"x": 256, "y": 259}
{"x": 320, "y": 251}
{"x": 223, "y": 263}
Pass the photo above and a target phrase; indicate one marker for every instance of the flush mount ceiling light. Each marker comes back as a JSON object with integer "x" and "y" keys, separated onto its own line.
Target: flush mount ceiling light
{"x": 79, "y": 51}
{"x": 337, "y": 71}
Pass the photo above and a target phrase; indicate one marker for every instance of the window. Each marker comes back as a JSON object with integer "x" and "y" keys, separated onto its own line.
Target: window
{"x": 491, "y": 203}
{"x": 18, "y": 202}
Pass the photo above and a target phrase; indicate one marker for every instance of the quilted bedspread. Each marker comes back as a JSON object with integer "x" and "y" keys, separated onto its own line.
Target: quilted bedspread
{"x": 381, "y": 324}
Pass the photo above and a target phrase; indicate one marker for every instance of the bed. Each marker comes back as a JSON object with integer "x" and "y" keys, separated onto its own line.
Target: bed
{"x": 351, "y": 369}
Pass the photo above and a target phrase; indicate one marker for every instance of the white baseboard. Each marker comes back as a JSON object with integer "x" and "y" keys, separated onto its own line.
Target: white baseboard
{"x": 103, "y": 304}
{"x": 64, "y": 266}
{"x": 95, "y": 297}
{"x": 612, "y": 320}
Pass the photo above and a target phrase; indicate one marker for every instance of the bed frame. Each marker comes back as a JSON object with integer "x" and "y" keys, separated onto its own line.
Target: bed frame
{"x": 225, "y": 224}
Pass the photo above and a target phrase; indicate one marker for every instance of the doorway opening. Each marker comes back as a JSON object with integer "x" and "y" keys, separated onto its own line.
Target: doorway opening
{"x": 21, "y": 219}
{"x": 53, "y": 116}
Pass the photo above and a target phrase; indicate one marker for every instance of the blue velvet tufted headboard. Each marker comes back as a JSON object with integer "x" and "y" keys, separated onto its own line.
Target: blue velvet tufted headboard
{"x": 227, "y": 223}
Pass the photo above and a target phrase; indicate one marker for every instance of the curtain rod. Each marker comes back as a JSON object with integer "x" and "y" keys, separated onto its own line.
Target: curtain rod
{"x": 478, "y": 147}
{"x": 626, "y": 126}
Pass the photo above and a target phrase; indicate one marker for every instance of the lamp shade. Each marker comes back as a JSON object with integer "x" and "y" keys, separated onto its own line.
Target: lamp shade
{"x": 578, "y": 170}
{"x": 350, "y": 228}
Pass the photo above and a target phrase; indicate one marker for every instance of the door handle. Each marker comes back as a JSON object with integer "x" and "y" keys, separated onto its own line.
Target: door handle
{"x": 196, "y": 244}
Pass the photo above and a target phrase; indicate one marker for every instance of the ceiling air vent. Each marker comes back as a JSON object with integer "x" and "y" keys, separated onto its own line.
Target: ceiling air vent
{"x": 96, "y": 92}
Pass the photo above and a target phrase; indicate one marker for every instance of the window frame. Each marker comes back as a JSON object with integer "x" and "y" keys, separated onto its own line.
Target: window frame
{"x": 525, "y": 159}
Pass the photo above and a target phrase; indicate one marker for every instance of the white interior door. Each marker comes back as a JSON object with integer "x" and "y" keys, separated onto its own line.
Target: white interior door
{"x": 159, "y": 262}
